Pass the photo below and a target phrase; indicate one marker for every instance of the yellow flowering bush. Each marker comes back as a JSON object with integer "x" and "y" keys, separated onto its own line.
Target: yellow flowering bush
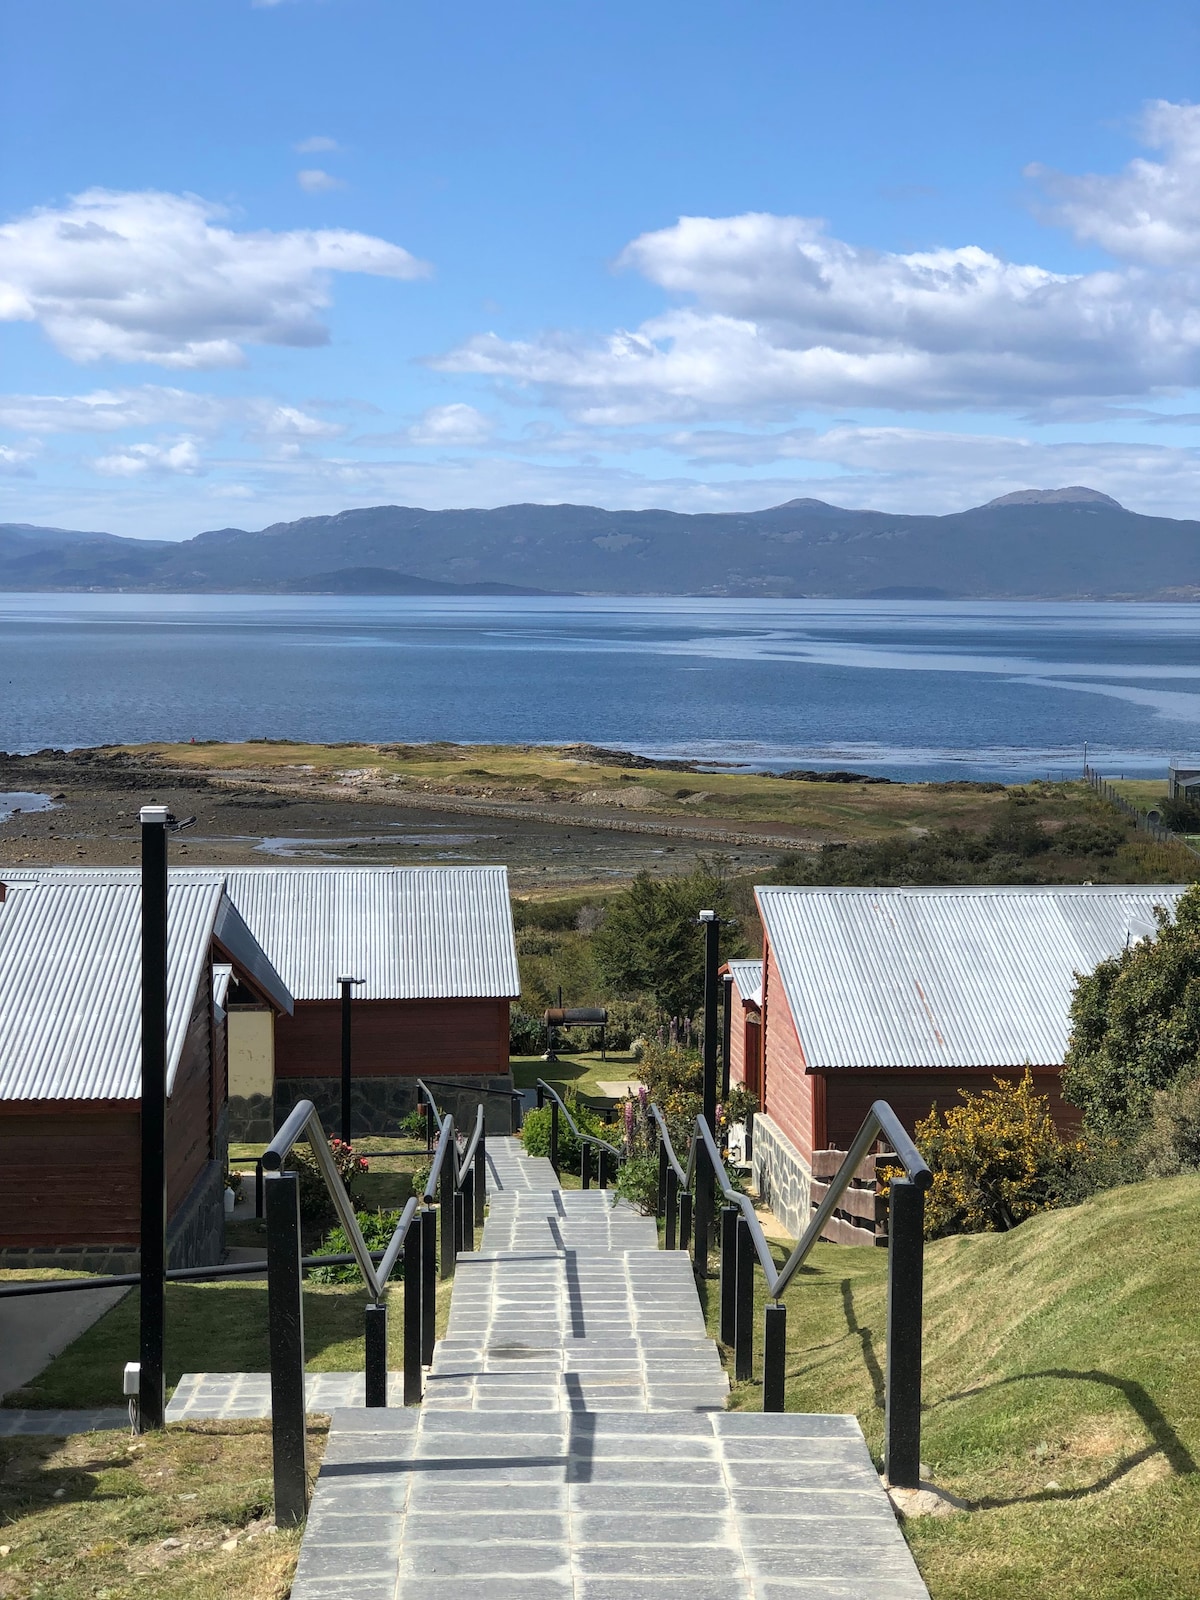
{"x": 996, "y": 1159}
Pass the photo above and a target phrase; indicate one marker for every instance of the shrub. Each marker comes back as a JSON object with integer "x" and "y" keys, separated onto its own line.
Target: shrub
{"x": 315, "y": 1204}
{"x": 526, "y": 1034}
{"x": 1136, "y": 1024}
{"x": 1171, "y": 1143}
{"x": 669, "y": 1069}
{"x": 535, "y": 1135}
{"x": 377, "y": 1228}
{"x": 996, "y": 1160}
{"x": 637, "y": 1182}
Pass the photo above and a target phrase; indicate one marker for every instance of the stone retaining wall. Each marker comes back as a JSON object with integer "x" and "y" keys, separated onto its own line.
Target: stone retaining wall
{"x": 781, "y": 1175}
{"x": 379, "y": 1105}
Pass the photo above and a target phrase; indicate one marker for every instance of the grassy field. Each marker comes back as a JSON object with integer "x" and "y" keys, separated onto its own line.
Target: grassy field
{"x": 518, "y": 772}
{"x": 583, "y": 1073}
{"x": 184, "y": 1515}
{"x": 1062, "y": 1395}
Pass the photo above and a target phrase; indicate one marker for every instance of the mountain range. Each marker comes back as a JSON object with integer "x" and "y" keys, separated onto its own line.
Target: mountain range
{"x": 1071, "y": 543}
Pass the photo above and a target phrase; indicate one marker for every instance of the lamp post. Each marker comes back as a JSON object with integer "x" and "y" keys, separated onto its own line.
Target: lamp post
{"x": 347, "y": 985}
{"x": 705, "y": 1179}
{"x": 155, "y": 821}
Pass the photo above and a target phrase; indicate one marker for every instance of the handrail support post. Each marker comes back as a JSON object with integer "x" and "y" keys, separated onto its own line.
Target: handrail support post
{"x": 774, "y": 1355}
{"x": 743, "y": 1337}
{"x": 285, "y": 1318}
{"x": 413, "y": 1289}
{"x": 376, "y": 1355}
{"x": 906, "y": 1268}
{"x": 729, "y": 1221}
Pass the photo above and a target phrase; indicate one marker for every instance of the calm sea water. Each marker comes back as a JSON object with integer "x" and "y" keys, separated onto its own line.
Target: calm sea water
{"x": 905, "y": 689}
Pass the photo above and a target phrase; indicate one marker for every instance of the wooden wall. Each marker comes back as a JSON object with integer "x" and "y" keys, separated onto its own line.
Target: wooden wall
{"x": 745, "y": 1044}
{"x": 191, "y": 1112}
{"x": 788, "y": 1090}
{"x": 394, "y": 1038}
{"x": 912, "y": 1095}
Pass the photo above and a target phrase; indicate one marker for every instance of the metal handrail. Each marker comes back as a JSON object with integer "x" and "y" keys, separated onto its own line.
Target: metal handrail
{"x": 584, "y": 1138}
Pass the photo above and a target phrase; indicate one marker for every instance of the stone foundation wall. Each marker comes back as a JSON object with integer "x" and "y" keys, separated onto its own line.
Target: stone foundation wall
{"x": 251, "y": 1118}
{"x": 781, "y": 1175}
{"x": 378, "y": 1105}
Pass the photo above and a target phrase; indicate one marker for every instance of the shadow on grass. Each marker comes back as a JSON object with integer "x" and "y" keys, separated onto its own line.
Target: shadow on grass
{"x": 1164, "y": 1440}
{"x": 866, "y": 1340}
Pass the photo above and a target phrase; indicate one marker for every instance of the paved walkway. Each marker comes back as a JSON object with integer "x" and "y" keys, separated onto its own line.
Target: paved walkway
{"x": 573, "y": 1443}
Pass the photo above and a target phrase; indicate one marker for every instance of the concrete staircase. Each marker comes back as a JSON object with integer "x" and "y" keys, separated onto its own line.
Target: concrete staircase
{"x": 573, "y": 1443}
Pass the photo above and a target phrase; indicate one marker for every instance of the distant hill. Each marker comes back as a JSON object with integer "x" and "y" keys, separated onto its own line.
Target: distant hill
{"x": 1071, "y": 543}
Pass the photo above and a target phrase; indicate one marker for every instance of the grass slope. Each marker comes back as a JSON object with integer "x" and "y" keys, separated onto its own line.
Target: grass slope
{"x": 1062, "y": 1392}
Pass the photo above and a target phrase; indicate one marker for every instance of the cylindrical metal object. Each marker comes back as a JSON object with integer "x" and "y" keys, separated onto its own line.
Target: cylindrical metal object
{"x": 285, "y": 1323}
{"x": 467, "y": 1196}
{"x": 412, "y": 1313}
{"x": 743, "y": 1316}
{"x": 554, "y": 1136}
{"x": 774, "y": 1355}
{"x": 347, "y": 1108}
{"x": 685, "y": 1220}
{"x": 448, "y": 1226}
{"x": 480, "y": 1186}
{"x": 906, "y": 1273}
{"x": 703, "y": 1215}
{"x": 672, "y": 1210}
{"x": 153, "y": 1289}
{"x": 429, "y": 1267}
{"x": 729, "y": 1222}
{"x": 663, "y": 1164}
{"x": 375, "y": 1352}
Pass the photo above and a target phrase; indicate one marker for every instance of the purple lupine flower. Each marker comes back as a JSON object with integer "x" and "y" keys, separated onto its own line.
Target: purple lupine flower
{"x": 629, "y": 1120}
{"x": 643, "y": 1095}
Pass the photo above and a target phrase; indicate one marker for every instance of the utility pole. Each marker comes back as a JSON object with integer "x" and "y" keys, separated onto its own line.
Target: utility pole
{"x": 347, "y": 998}
{"x": 705, "y": 1178}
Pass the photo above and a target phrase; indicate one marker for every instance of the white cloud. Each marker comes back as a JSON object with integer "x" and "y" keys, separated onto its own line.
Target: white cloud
{"x": 133, "y": 460}
{"x": 313, "y": 181}
{"x": 15, "y": 463}
{"x": 160, "y": 278}
{"x": 452, "y": 426}
{"x": 317, "y": 145}
{"x": 1150, "y": 212}
{"x": 153, "y": 405}
{"x": 777, "y": 315}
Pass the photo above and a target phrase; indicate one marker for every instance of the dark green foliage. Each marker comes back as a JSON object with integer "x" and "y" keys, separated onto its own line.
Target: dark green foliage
{"x": 377, "y": 1228}
{"x": 651, "y": 943}
{"x": 535, "y": 1135}
{"x": 526, "y": 1033}
{"x": 1171, "y": 1142}
{"x": 637, "y": 1182}
{"x": 1182, "y": 816}
{"x": 1136, "y": 1025}
{"x": 315, "y": 1202}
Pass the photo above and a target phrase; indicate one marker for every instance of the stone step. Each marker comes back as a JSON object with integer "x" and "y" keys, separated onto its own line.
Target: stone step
{"x": 527, "y": 1505}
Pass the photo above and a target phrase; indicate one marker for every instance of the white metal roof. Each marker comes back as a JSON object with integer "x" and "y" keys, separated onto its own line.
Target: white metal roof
{"x": 70, "y": 984}
{"x": 747, "y": 978}
{"x": 945, "y": 977}
{"x": 413, "y": 933}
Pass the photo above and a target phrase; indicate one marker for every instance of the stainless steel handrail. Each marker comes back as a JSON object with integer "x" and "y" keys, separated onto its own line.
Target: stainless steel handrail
{"x": 880, "y": 1120}
{"x": 584, "y": 1138}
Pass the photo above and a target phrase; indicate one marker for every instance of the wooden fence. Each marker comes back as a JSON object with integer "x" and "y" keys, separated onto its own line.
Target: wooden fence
{"x": 862, "y": 1216}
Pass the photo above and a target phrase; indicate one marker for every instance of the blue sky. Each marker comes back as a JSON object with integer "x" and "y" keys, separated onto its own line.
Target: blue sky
{"x": 259, "y": 261}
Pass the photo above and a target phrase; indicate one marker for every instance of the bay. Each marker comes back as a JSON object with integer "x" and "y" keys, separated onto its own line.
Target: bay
{"x": 906, "y": 689}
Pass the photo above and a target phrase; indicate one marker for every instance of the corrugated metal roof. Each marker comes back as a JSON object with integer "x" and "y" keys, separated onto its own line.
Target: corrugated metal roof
{"x": 70, "y": 983}
{"x": 413, "y": 933}
{"x": 747, "y": 977}
{"x": 956, "y": 977}
{"x": 222, "y": 978}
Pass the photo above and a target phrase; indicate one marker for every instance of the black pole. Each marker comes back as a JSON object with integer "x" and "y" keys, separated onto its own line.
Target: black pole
{"x": 375, "y": 1363}
{"x": 585, "y": 1165}
{"x": 705, "y": 1178}
{"x": 480, "y": 1178}
{"x": 554, "y": 1136}
{"x": 906, "y": 1272}
{"x": 347, "y": 1109}
{"x": 743, "y": 1340}
{"x": 729, "y": 1222}
{"x": 412, "y": 1312}
{"x": 672, "y": 1209}
{"x": 467, "y": 1193}
{"x": 447, "y": 1194}
{"x": 663, "y": 1164}
{"x": 685, "y": 1219}
{"x": 429, "y": 1228}
{"x": 285, "y": 1321}
{"x": 726, "y": 1033}
{"x": 153, "y": 1296}
{"x": 774, "y": 1353}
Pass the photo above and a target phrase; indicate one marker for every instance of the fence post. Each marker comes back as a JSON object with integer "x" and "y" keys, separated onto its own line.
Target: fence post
{"x": 259, "y": 1212}
{"x": 554, "y": 1136}
{"x": 585, "y": 1165}
{"x": 376, "y": 1355}
{"x": 412, "y": 1312}
{"x": 541, "y": 1097}
{"x": 729, "y": 1221}
{"x": 446, "y": 1197}
{"x": 430, "y": 1126}
{"x": 285, "y": 1318}
{"x": 468, "y": 1210}
{"x": 774, "y": 1354}
{"x": 602, "y": 1166}
{"x": 429, "y": 1228}
{"x": 743, "y": 1323}
{"x": 480, "y": 1183}
{"x": 702, "y": 1215}
{"x": 672, "y": 1217}
{"x": 906, "y": 1268}
{"x": 685, "y": 1219}
{"x": 459, "y": 1223}
{"x": 663, "y": 1164}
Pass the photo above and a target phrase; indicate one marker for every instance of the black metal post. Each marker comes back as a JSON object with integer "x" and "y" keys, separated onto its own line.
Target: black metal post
{"x": 446, "y": 1197}
{"x": 729, "y": 1222}
{"x": 541, "y": 1097}
{"x": 602, "y": 1172}
{"x": 480, "y": 1186}
{"x": 554, "y": 1136}
{"x": 153, "y": 1292}
{"x": 663, "y": 1166}
{"x": 774, "y": 1355}
{"x": 347, "y": 985}
{"x": 585, "y": 1165}
{"x": 412, "y": 1313}
{"x": 430, "y": 1127}
{"x": 258, "y": 1190}
{"x": 705, "y": 1184}
{"x": 702, "y": 1215}
{"x": 376, "y": 1355}
{"x": 467, "y": 1193}
{"x": 685, "y": 1219}
{"x": 672, "y": 1209}
{"x": 906, "y": 1274}
{"x": 743, "y": 1317}
{"x": 459, "y": 1224}
{"x": 726, "y": 1032}
{"x": 429, "y": 1228}
{"x": 285, "y": 1319}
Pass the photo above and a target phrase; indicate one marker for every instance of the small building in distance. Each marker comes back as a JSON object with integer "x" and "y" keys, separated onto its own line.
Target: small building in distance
{"x": 436, "y": 953}
{"x": 1183, "y": 779}
{"x": 908, "y": 995}
{"x": 745, "y": 1027}
{"x": 70, "y": 1064}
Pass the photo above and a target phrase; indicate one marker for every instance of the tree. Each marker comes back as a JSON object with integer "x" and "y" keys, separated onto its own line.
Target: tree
{"x": 1135, "y": 1023}
{"x": 650, "y": 943}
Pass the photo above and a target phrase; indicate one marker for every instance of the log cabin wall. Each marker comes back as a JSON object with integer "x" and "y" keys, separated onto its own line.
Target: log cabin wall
{"x": 192, "y": 1110}
{"x": 788, "y": 1088}
{"x": 912, "y": 1094}
{"x": 395, "y": 1038}
{"x": 69, "y": 1174}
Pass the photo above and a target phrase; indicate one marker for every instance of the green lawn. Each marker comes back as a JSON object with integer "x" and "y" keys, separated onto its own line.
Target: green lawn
{"x": 1062, "y": 1394}
{"x": 583, "y": 1072}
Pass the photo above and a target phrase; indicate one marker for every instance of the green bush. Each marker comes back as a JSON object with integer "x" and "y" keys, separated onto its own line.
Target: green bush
{"x": 1171, "y": 1143}
{"x": 315, "y": 1202}
{"x": 535, "y": 1135}
{"x": 526, "y": 1033}
{"x": 637, "y": 1182}
{"x": 377, "y": 1228}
